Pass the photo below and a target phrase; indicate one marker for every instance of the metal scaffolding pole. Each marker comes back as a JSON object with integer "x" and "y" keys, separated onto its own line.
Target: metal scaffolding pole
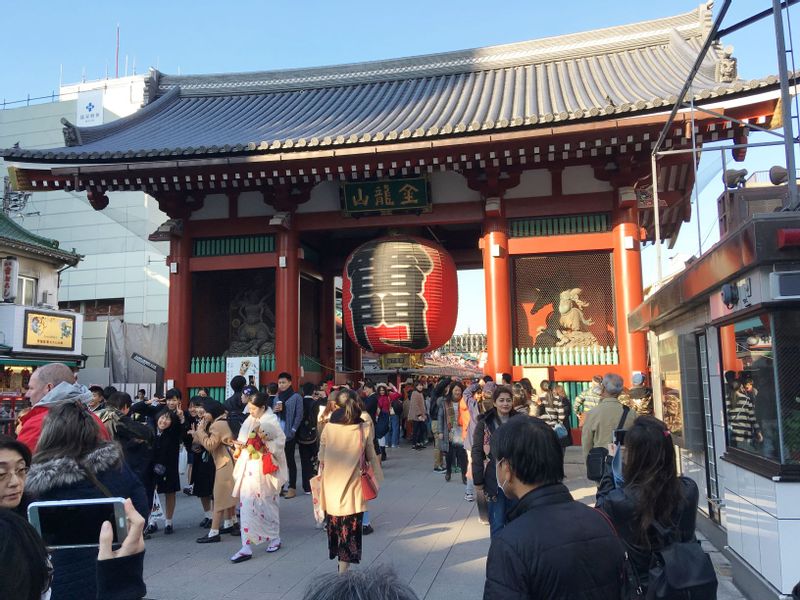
{"x": 786, "y": 108}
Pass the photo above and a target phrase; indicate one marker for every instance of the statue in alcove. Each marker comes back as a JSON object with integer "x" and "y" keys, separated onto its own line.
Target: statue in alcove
{"x": 572, "y": 331}
{"x": 252, "y": 323}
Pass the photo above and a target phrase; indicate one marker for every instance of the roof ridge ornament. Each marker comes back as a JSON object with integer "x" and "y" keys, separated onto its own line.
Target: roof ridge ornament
{"x": 72, "y": 135}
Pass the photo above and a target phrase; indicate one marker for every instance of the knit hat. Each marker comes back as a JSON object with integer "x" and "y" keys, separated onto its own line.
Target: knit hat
{"x": 638, "y": 378}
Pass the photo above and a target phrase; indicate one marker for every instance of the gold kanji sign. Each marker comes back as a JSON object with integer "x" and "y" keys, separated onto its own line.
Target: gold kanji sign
{"x": 386, "y": 196}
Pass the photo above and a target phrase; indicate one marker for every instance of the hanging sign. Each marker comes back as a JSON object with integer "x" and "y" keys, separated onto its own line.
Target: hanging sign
{"x": 48, "y": 331}
{"x": 246, "y": 366}
{"x": 10, "y": 276}
{"x": 386, "y": 196}
{"x": 89, "y": 108}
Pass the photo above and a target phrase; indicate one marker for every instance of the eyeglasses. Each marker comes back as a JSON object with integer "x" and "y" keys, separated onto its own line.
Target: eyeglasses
{"x": 21, "y": 473}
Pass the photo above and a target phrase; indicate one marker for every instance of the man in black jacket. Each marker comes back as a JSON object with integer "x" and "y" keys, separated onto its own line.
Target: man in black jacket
{"x": 556, "y": 547}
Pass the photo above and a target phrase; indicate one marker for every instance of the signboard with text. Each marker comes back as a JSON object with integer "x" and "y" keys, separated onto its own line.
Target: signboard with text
{"x": 246, "y": 366}
{"x": 89, "y": 108}
{"x": 386, "y": 196}
{"x": 48, "y": 331}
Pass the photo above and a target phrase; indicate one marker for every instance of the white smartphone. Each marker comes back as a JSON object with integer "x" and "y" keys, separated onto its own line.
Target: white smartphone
{"x": 77, "y": 523}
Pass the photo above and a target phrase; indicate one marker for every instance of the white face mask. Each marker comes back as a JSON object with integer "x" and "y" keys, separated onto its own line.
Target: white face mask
{"x": 502, "y": 485}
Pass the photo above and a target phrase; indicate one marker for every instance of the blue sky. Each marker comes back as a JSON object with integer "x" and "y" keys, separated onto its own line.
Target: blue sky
{"x": 45, "y": 40}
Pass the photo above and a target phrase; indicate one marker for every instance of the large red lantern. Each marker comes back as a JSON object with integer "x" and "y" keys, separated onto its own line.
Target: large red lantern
{"x": 400, "y": 294}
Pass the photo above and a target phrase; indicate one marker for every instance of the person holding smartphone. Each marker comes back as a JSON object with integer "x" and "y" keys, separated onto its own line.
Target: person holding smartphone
{"x": 73, "y": 461}
{"x": 27, "y": 572}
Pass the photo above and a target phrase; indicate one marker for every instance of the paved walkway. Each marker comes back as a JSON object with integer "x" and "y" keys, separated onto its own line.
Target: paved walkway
{"x": 423, "y": 528}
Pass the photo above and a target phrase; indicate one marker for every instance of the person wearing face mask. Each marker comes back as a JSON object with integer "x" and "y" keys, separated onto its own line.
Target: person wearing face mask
{"x": 557, "y": 548}
{"x": 483, "y": 461}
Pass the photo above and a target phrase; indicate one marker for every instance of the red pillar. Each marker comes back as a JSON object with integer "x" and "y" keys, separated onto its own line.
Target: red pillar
{"x": 632, "y": 346}
{"x": 496, "y": 272}
{"x": 287, "y": 305}
{"x": 327, "y": 326}
{"x": 179, "y": 322}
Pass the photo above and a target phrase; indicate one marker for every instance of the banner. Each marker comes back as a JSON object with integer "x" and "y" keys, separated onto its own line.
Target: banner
{"x": 89, "y": 108}
{"x": 10, "y": 276}
{"x": 48, "y": 331}
{"x": 246, "y": 366}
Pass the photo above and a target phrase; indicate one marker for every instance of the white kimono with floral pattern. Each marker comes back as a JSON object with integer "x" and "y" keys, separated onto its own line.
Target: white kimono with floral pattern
{"x": 258, "y": 493}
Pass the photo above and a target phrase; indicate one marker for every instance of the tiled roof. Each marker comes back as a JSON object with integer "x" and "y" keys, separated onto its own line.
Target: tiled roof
{"x": 15, "y": 236}
{"x": 616, "y": 71}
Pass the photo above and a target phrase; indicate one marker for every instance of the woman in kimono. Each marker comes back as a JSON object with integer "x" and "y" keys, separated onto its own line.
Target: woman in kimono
{"x": 260, "y": 472}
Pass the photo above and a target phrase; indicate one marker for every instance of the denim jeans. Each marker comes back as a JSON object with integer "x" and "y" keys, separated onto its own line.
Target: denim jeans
{"x": 394, "y": 430}
{"x": 497, "y": 513}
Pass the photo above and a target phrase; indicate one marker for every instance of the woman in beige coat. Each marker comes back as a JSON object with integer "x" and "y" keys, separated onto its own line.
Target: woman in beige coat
{"x": 344, "y": 441}
{"x": 215, "y": 435}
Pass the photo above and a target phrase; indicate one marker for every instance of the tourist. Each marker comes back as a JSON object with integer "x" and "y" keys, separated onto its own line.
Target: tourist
{"x": 375, "y": 583}
{"x": 552, "y": 409}
{"x": 26, "y": 571}
{"x": 136, "y": 439}
{"x": 325, "y": 415}
{"x": 588, "y": 398}
{"x": 236, "y": 405}
{"x": 383, "y": 422}
{"x": 395, "y": 413}
{"x": 506, "y": 379}
{"x": 557, "y": 547}
{"x": 526, "y": 383}
{"x": 600, "y": 423}
{"x": 451, "y": 432}
{"x": 744, "y": 430}
{"x": 307, "y": 436}
{"x": 344, "y": 446}
{"x": 639, "y": 397}
{"x": 483, "y": 462}
{"x": 289, "y": 407}
{"x": 15, "y": 461}
{"x": 49, "y": 385}
{"x": 418, "y": 416}
{"x": 73, "y": 461}
{"x": 201, "y": 475}
{"x": 97, "y": 403}
{"x": 260, "y": 472}
{"x": 649, "y": 493}
{"x": 166, "y": 454}
{"x": 141, "y": 395}
{"x": 440, "y": 392}
{"x": 472, "y": 402}
{"x": 216, "y": 437}
{"x": 523, "y": 402}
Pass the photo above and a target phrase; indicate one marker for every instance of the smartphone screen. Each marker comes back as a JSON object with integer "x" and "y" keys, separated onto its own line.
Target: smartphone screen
{"x": 66, "y": 524}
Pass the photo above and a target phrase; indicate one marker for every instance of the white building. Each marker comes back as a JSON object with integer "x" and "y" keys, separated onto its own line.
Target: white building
{"x": 122, "y": 275}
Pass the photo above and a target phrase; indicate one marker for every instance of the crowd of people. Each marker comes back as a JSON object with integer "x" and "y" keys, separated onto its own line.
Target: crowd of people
{"x": 504, "y": 441}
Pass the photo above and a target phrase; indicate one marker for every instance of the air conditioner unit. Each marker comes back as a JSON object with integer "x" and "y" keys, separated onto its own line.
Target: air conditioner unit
{"x": 784, "y": 285}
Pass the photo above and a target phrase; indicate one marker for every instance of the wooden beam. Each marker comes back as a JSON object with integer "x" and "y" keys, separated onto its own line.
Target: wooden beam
{"x": 442, "y": 214}
{"x": 579, "y": 242}
{"x": 235, "y": 261}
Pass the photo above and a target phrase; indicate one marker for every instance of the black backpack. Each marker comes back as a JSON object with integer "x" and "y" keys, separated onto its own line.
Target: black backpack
{"x": 307, "y": 432}
{"x": 680, "y": 570}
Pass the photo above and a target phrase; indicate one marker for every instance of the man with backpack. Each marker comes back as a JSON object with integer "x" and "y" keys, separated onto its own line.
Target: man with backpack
{"x": 307, "y": 436}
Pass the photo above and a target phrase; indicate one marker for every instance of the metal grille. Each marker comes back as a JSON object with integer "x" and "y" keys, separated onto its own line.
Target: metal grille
{"x": 554, "y": 294}
{"x": 787, "y": 347}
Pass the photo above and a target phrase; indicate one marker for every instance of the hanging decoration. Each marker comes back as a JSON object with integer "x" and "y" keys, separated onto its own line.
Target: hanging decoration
{"x": 400, "y": 294}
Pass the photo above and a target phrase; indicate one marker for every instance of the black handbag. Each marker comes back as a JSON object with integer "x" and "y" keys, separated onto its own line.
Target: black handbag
{"x": 596, "y": 458}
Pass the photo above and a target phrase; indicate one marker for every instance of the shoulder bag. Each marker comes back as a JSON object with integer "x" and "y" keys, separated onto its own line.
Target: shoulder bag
{"x": 597, "y": 456}
{"x": 369, "y": 483}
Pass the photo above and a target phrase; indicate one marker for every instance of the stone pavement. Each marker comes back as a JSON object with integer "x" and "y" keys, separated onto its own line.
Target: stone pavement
{"x": 423, "y": 528}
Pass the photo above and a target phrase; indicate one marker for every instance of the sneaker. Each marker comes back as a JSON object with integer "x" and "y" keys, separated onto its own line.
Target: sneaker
{"x": 439, "y": 469}
{"x": 274, "y": 545}
{"x": 366, "y": 530}
{"x": 152, "y": 528}
{"x": 290, "y": 493}
{"x": 307, "y": 493}
{"x": 188, "y": 490}
{"x": 168, "y": 530}
{"x": 469, "y": 497}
